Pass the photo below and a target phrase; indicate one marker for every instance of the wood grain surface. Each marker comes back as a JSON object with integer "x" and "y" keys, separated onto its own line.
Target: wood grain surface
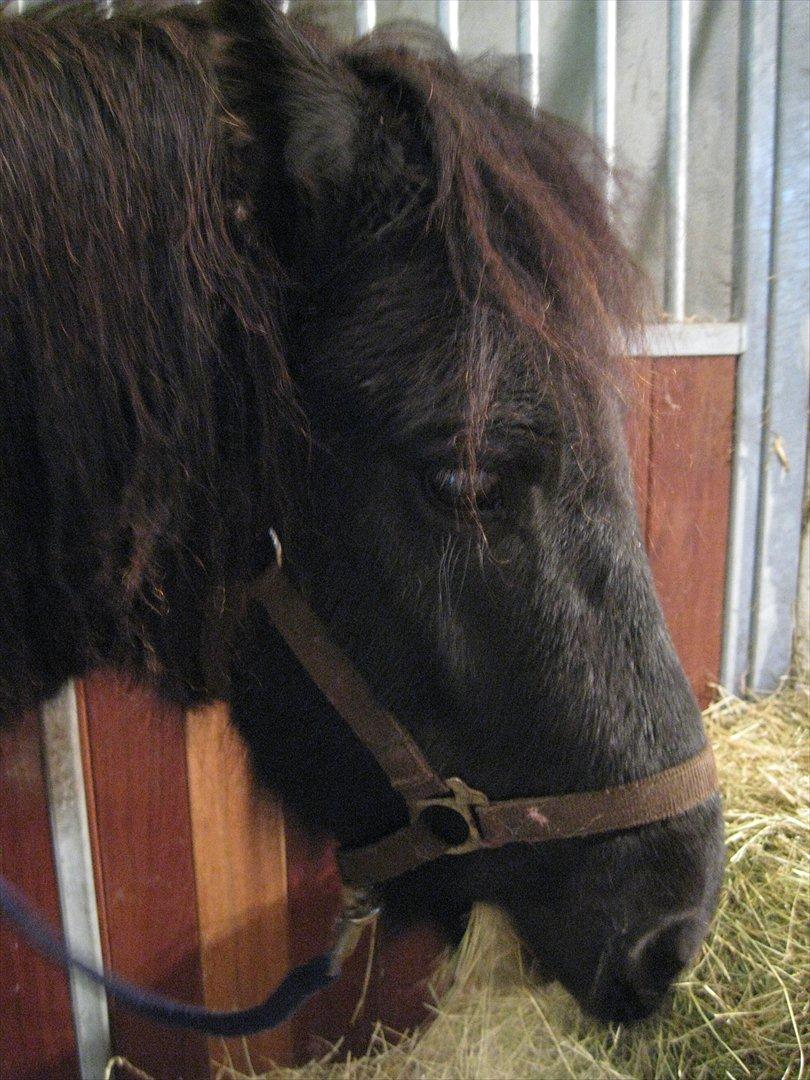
{"x": 386, "y": 981}
{"x": 241, "y": 872}
{"x": 36, "y": 1025}
{"x": 691, "y": 444}
{"x": 145, "y": 882}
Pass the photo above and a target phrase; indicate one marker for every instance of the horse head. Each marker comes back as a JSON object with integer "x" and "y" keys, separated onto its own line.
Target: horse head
{"x": 462, "y": 515}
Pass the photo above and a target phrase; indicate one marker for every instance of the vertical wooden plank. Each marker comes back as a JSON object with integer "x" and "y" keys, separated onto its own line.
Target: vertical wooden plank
{"x": 637, "y": 430}
{"x": 405, "y": 963}
{"x": 240, "y": 864}
{"x": 36, "y": 1026}
{"x": 690, "y": 475}
{"x": 140, "y": 822}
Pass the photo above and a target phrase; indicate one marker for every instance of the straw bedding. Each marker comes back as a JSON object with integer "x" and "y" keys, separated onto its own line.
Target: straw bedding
{"x": 743, "y": 1011}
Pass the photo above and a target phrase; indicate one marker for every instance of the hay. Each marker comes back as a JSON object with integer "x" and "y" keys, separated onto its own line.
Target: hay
{"x": 743, "y": 1011}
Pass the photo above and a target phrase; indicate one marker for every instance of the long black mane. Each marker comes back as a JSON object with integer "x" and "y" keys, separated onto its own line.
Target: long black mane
{"x": 141, "y": 383}
{"x": 146, "y": 404}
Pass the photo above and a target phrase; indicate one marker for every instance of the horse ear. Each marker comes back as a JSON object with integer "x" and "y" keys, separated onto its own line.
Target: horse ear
{"x": 295, "y": 112}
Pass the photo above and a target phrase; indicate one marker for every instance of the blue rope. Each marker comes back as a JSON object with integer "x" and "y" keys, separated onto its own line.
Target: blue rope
{"x": 296, "y": 987}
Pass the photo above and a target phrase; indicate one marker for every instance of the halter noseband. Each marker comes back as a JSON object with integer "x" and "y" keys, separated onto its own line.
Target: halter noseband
{"x": 446, "y": 817}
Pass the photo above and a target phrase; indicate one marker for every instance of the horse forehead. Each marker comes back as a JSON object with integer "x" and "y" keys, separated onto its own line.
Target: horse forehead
{"x": 448, "y": 368}
{"x": 423, "y": 365}
{"x": 496, "y": 406}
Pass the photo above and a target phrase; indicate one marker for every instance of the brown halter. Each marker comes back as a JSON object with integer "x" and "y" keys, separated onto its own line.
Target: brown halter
{"x": 446, "y": 816}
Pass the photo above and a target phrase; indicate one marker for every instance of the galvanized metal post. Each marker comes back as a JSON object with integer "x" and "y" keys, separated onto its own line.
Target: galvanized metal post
{"x": 677, "y": 158}
{"x": 604, "y": 86}
{"x": 447, "y": 19}
{"x": 74, "y": 873}
{"x": 365, "y": 16}
{"x": 759, "y": 39}
{"x": 528, "y": 48}
{"x": 787, "y": 380}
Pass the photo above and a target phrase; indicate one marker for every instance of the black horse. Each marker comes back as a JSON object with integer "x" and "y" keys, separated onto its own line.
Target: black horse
{"x": 253, "y": 280}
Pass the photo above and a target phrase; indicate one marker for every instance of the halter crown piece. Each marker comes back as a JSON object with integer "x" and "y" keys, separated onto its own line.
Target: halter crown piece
{"x": 446, "y": 817}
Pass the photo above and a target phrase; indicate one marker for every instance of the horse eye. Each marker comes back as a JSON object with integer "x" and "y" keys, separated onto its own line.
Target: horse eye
{"x": 457, "y": 490}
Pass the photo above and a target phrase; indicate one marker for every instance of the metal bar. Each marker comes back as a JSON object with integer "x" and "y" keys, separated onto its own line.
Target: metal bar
{"x": 528, "y": 48}
{"x": 693, "y": 339}
{"x": 74, "y": 874}
{"x": 365, "y": 16}
{"x": 787, "y": 378}
{"x": 677, "y": 157}
{"x": 759, "y": 34}
{"x": 447, "y": 18}
{"x": 604, "y": 97}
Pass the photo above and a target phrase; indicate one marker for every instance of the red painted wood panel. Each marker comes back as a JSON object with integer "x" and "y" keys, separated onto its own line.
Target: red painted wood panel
{"x": 241, "y": 869}
{"x": 691, "y": 440}
{"x": 313, "y": 902}
{"x": 36, "y": 1027}
{"x": 637, "y": 429}
{"x": 141, "y": 830}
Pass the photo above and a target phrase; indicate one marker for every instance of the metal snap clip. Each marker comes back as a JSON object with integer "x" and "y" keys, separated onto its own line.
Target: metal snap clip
{"x": 358, "y": 912}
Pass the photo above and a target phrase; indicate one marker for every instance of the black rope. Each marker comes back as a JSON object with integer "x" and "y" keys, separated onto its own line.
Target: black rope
{"x": 294, "y": 989}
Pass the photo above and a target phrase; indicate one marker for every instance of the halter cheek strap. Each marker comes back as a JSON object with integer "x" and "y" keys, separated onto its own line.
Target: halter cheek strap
{"x": 446, "y": 817}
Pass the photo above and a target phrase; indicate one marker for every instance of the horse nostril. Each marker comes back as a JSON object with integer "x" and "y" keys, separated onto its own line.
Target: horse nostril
{"x": 634, "y": 984}
{"x": 658, "y": 956}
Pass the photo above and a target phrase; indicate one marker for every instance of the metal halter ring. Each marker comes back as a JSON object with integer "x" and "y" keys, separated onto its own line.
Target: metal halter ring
{"x": 460, "y": 803}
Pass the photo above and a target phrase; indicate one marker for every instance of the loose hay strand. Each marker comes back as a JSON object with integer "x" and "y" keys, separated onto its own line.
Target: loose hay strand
{"x": 743, "y": 1010}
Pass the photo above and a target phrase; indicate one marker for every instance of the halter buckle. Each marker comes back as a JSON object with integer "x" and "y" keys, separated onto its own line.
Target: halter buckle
{"x": 462, "y": 801}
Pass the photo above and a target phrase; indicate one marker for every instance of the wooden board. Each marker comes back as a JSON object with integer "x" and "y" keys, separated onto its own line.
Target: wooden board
{"x": 141, "y": 831}
{"x": 637, "y": 430}
{"x": 36, "y": 1026}
{"x": 691, "y": 442}
{"x": 314, "y": 900}
{"x": 240, "y": 863}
